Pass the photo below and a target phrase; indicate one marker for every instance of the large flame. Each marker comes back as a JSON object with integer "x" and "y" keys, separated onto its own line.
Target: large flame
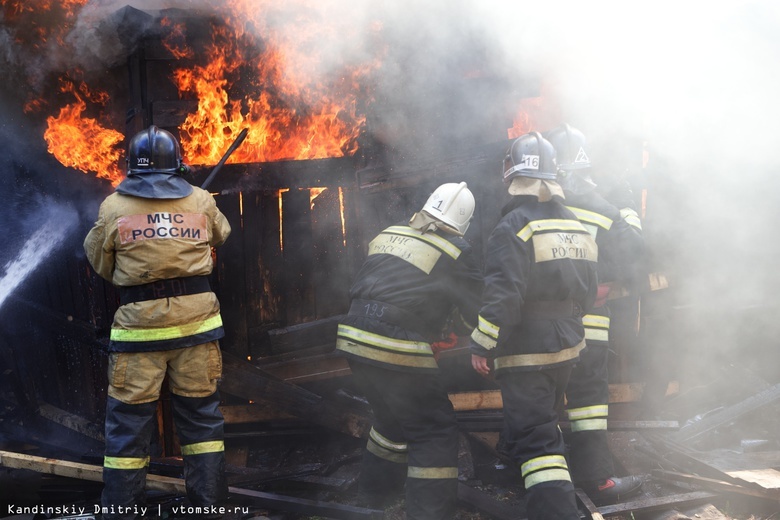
{"x": 288, "y": 114}
{"x": 82, "y": 142}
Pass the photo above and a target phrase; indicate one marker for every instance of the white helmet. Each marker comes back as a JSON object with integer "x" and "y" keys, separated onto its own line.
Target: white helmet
{"x": 452, "y": 205}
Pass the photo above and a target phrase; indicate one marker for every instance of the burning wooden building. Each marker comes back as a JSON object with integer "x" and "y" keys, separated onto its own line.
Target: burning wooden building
{"x": 322, "y": 168}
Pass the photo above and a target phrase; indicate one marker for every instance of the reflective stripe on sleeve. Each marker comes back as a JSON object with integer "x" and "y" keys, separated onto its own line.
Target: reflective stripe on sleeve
{"x": 125, "y": 462}
{"x": 631, "y": 217}
{"x": 432, "y": 473}
{"x": 164, "y": 333}
{"x": 539, "y": 359}
{"x": 384, "y": 342}
{"x": 589, "y": 425}
{"x": 596, "y": 327}
{"x": 547, "y": 475}
{"x": 203, "y": 447}
{"x": 483, "y": 340}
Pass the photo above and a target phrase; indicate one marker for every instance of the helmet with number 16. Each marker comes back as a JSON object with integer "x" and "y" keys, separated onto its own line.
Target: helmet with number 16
{"x": 530, "y": 155}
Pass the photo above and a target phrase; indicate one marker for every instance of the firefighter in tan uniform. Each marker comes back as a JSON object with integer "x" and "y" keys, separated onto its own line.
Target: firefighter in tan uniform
{"x": 619, "y": 238}
{"x": 417, "y": 276}
{"x": 540, "y": 278}
{"x": 153, "y": 240}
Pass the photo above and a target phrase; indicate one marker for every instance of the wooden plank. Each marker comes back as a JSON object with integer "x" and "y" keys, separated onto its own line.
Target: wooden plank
{"x": 298, "y": 254}
{"x": 303, "y": 336}
{"x": 177, "y": 486}
{"x": 656, "y": 504}
{"x": 251, "y": 413}
{"x": 709, "y": 483}
{"x": 245, "y": 380}
{"x": 755, "y": 402}
{"x": 230, "y": 278}
{"x": 331, "y": 277}
{"x": 768, "y": 478}
{"x": 585, "y": 501}
{"x": 71, "y": 421}
{"x": 491, "y": 399}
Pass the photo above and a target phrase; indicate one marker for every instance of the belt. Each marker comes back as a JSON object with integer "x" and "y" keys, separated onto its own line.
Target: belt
{"x": 164, "y": 289}
{"x": 390, "y": 314}
{"x": 552, "y": 309}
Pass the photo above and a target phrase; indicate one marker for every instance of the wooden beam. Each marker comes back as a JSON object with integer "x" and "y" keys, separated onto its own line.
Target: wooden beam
{"x": 251, "y": 413}
{"x": 585, "y": 501}
{"x": 176, "y": 486}
{"x": 491, "y": 399}
{"x": 696, "y": 430}
{"x": 710, "y": 484}
{"x": 659, "y": 503}
{"x": 242, "y": 379}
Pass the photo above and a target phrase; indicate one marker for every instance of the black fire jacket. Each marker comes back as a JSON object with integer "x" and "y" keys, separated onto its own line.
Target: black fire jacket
{"x": 618, "y": 235}
{"x": 540, "y": 278}
{"x": 409, "y": 286}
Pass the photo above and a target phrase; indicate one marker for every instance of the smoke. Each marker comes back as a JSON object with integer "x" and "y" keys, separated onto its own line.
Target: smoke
{"x": 694, "y": 84}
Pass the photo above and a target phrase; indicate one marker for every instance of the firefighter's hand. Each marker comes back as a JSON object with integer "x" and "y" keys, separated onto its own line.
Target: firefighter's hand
{"x": 480, "y": 364}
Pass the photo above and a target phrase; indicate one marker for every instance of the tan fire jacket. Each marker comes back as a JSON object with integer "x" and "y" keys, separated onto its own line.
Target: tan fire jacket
{"x": 136, "y": 241}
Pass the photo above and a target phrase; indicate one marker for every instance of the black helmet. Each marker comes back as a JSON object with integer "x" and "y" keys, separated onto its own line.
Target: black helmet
{"x": 530, "y": 155}
{"x": 570, "y": 147}
{"x": 154, "y": 151}
{"x": 574, "y": 165}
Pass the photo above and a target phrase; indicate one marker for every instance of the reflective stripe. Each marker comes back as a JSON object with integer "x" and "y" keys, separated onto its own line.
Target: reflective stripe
{"x": 557, "y": 224}
{"x": 384, "y": 356}
{"x": 386, "y": 449}
{"x": 125, "y": 462}
{"x": 596, "y": 327}
{"x": 418, "y": 472}
{"x": 543, "y": 462}
{"x": 586, "y": 425}
{"x": 539, "y": 359}
{"x": 385, "y": 442}
{"x": 488, "y": 328}
{"x": 203, "y": 447}
{"x": 483, "y": 340}
{"x": 595, "y": 320}
{"x": 385, "y": 342}
{"x": 179, "y": 331}
{"x": 592, "y": 217}
{"x": 596, "y": 334}
{"x": 419, "y": 254}
{"x": 441, "y": 243}
{"x": 588, "y": 412}
{"x": 631, "y": 217}
{"x": 390, "y": 456}
{"x": 547, "y": 475}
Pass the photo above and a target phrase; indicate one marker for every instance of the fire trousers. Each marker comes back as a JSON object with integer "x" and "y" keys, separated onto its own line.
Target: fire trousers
{"x": 135, "y": 381}
{"x": 414, "y": 440}
{"x": 535, "y": 442}
{"x": 587, "y": 407}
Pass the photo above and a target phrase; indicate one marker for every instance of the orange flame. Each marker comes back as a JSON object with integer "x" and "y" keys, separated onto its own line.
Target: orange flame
{"x": 288, "y": 116}
{"x": 81, "y": 142}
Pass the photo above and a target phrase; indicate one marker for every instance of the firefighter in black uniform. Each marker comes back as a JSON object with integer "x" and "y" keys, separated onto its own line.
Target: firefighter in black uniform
{"x": 540, "y": 278}
{"x": 619, "y": 239}
{"x": 418, "y": 277}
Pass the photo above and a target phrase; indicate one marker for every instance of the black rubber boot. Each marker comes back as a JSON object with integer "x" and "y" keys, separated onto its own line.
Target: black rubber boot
{"x": 613, "y": 489}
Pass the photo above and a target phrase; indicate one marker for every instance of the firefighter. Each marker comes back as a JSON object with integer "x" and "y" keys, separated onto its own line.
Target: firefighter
{"x": 153, "y": 240}
{"x": 618, "y": 236}
{"x": 418, "y": 277}
{"x": 540, "y": 278}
